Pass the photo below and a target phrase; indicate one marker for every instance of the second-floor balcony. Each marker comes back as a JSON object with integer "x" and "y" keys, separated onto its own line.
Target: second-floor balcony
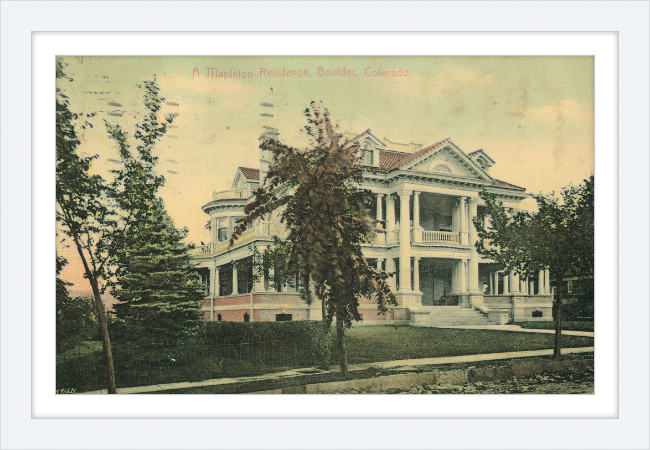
{"x": 417, "y": 236}
{"x": 262, "y": 231}
{"x": 232, "y": 194}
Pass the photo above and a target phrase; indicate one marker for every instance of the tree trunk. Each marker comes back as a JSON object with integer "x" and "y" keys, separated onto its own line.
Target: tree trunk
{"x": 558, "y": 318}
{"x": 103, "y": 324}
{"x": 340, "y": 337}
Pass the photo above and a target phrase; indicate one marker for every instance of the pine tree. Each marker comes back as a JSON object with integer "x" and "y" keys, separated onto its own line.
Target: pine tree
{"x": 158, "y": 291}
{"x": 154, "y": 281}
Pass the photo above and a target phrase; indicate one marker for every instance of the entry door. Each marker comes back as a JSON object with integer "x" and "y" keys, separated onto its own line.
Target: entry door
{"x": 441, "y": 282}
{"x": 426, "y": 281}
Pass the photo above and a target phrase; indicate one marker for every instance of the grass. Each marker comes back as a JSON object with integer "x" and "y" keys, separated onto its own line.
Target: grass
{"x": 377, "y": 343}
{"x": 572, "y": 325}
{"x": 264, "y": 385}
{"x": 137, "y": 367}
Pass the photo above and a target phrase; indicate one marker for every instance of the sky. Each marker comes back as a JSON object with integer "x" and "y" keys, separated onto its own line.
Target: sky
{"x": 533, "y": 115}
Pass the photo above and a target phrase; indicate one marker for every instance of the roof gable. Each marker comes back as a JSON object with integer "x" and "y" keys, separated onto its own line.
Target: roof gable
{"x": 368, "y": 136}
{"x": 448, "y": 160}
{"x": 451, "y": 161}
{"x": 245, "y": 175}
{"x": 482, "y": 158}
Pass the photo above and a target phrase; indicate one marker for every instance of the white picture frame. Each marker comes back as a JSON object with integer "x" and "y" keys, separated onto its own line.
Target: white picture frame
{"x": 27, "y": 194}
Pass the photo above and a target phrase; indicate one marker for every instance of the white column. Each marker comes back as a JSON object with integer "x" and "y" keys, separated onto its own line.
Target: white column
{"x": 217, "y": 285}
{"x": 390, "y": 268}
{"x": 513, "y": 282}
{"x": 463, "y": 275}
{"x": 473, "y": 254}
{"x": 541, "y": 285}
{"x": 547, "y": 278}
{"x": 506, "y": 290}
{"x": 380, "y": 212}
{"x": 531, "y": 287}
{"x": 404, "y": 243}
{"x": 380, "y": 264}
{"x": 381, "y": 235}
{"x": 416, "y": 274}
{"x": 390, "y": 217}
{"x": 235, "y": 287}
{"x": 214, "y": 282}
{"x": 464, "y": 235}
{"x": 212, "y": 285}
{"x": 491, "y": 276}
{"x": 417, "y": 231}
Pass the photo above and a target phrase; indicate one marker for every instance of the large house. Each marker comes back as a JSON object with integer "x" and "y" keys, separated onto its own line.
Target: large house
{"x": 426, "y": 199}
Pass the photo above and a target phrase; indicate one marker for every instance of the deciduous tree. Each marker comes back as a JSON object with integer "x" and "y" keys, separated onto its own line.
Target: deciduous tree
{"x": 84, "y": 211}
{"x": 327, "y": 217}
{"x": 558, "y": 237}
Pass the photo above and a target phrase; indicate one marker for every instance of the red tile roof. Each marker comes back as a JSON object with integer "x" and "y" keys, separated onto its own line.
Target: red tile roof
{"x": 503, "y": 184}
{"x": 251, "y": 174}
{"x": 389, "y": 160}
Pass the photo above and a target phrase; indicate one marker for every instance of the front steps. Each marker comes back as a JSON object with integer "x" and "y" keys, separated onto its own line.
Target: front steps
{"x": 448, "y": 316}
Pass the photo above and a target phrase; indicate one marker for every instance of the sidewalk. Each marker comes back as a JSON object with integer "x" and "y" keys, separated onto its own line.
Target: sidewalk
{"x": 310, "y": 371}
{"x": 516, "y": 328}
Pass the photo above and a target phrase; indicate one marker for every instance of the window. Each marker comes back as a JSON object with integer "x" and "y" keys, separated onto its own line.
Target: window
{"x": 445, "y": 222}
{"x": 225, "y": 280}
{"x": 367, "y": 158}
{"x": 245, "y": 276}
{"x": 396, "y": 273}
{"x": 283, "y": 317}
{"x": 367, "y": 155}
{"x": 222, "y": 229}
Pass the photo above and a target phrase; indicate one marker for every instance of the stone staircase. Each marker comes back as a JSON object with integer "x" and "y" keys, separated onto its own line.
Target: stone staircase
{"x": 448, "y": 316}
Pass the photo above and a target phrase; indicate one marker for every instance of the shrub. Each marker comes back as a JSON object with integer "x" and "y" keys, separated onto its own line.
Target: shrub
{"x": 75, "y": 322}
{"x": 308, "y": 337}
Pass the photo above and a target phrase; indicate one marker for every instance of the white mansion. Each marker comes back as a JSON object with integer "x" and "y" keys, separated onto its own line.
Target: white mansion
{"x": 426, "y": 199}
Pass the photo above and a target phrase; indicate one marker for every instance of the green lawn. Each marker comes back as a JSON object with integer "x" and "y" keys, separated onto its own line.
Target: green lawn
{"x": 573, "y": 325}
{"x": 386, "y": 343}
{"x": 138, "y": 367}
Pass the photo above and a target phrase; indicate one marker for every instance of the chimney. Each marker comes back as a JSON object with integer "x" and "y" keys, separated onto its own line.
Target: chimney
{"x": 266, "y": 156}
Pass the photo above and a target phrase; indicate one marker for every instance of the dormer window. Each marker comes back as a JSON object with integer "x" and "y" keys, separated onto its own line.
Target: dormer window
{"x": 367, "y": 154}
{"x": 482, "y": 159}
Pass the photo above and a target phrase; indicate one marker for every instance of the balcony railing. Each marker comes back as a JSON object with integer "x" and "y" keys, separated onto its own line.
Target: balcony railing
{"x": 432, "y": 237}
{"x": 234, "y": 194}
{"x": 261, "y": 230}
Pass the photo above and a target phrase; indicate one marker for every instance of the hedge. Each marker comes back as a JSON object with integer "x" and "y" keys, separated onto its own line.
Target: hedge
{"x": 309, "y": 336}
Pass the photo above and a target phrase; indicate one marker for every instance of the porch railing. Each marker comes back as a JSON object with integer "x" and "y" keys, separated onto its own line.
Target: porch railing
{"x": 263, "y": 229}
{"x": 429, "y": 237}
{"x": 232, "y": 194}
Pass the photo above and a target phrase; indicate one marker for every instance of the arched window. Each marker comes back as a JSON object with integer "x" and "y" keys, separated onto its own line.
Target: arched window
{"x": 439, "y": 168}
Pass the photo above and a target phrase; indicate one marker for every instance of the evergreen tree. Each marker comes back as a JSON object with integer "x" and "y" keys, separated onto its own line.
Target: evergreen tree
{"x": 558, "y": 237}
{"x": 327, "y": 217}
{"x": 154, "y": 281}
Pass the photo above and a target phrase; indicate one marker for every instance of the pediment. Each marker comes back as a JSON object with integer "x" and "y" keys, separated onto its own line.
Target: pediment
{"x": 369, "y": 141}
{"x": 448, "y": 161}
